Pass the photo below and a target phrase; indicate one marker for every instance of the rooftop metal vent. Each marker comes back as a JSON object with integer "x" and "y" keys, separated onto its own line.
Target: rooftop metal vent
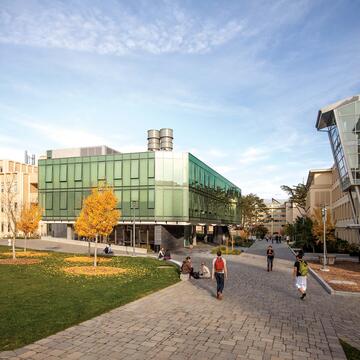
{"x": 160, "y": 139}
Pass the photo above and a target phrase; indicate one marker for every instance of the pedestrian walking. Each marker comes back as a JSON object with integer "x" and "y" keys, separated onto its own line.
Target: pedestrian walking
{"x": 270, "y": 254}
{"x": 300, "y": 272}
{"x": 219, "y": 271}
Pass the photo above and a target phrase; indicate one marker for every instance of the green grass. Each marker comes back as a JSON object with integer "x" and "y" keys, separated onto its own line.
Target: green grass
{"x": 350, "y": 352}
{"x": 223, "y": 250}
{"x": 39, "y": 300}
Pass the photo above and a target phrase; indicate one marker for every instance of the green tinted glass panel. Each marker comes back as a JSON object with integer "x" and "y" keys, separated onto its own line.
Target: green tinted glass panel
{"x": 48, "y": 201}
{"x": 134, "y": 169}
{"x": 78, "y": 200}
{"x": 135, "y": 195}
{"x": 86, "y": 175}
{"x": 63, "y": 200}
{"x": 49, "y": 173}
{"x": 78, "y": 172}
{"x": 126, "y": 173}
{"x": 118, "y": 169}
{"x": 151, "y": 168}
{"x": 63, "y": 172}
{"x": 101, "y": 171}
{"x": 118, "y": 194}
{"x": 151, "y": 199}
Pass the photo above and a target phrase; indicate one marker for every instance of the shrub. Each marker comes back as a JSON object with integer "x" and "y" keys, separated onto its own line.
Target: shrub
{"x": 223, "y": 250}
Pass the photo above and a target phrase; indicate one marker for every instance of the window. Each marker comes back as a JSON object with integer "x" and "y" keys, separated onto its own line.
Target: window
{"x": 78, "y": 172}
{"x": 63, "y": 172}
{"x": 151, "y": 168}
{"x": 151, "y": 199}
{"x": 118, "y": 170}
{"x": 134, "y": 169}
{"x": 48, "y": 201}
{"x": 78, "y": 200}
{"x": 2, "y": 227}
{"x": 101, "y": 170}
{"x": 118, "y": 196}
{"x": 63, "y": 200}
{"x": 48, "y": 176}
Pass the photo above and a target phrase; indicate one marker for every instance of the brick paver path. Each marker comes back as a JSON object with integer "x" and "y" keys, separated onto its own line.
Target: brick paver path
{"x": 261, "y": 317}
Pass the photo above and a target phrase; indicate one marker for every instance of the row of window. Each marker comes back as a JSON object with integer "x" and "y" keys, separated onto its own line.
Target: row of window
{"x": 102, "y": 170}
{"x": 67, "y": 200}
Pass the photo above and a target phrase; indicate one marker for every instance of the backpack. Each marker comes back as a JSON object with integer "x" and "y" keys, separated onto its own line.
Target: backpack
{"x": 196, "y": 275}
{"x": 303, "y": 268}
{"x": 219, "y": 264}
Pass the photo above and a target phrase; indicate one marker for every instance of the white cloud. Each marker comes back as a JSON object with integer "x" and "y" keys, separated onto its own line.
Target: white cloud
{"x": 93, "y": 31}
{"x": 253, "y": 154}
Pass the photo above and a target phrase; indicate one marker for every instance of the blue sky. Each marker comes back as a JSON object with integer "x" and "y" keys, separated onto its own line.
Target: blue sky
{"x": 239, "y": 81}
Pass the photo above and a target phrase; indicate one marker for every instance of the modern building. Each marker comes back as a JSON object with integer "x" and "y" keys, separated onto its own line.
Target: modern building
{"x": 166, "y": 193}
{"x": 342, "y": 122}
{"x": 19, "y": 186}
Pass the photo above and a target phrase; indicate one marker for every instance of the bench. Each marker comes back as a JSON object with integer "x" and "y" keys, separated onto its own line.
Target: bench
{"x": 329, "y": 258}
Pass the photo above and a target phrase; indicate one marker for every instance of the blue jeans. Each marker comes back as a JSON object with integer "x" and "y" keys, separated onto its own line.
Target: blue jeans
{"x": 270, "y": 261}
{"x": 219, "y": 282}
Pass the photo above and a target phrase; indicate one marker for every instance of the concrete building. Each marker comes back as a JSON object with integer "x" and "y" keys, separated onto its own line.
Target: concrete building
{"x": 324, "y": 188}
{"x": 167, "y": 193}
{"x": 341, "y": 121}
{"x": 319, "y": 185}
{"x": 292, "y": 212}
{"x": 22, "y": 181}
{"x": 274, "y": 219}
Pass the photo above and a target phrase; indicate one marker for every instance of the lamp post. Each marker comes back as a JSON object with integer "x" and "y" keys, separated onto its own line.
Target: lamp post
{"x": 323, "y": 213}
{"x": 134, "y": 205}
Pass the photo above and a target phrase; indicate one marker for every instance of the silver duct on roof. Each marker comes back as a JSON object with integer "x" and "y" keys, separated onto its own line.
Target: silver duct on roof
{"x": 160, "y": 140}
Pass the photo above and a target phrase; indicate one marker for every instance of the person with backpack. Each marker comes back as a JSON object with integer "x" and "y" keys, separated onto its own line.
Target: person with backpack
{"x": 270, "y": 258}
{"x": 300, "y": 271}
{"x": 219, "y": 271}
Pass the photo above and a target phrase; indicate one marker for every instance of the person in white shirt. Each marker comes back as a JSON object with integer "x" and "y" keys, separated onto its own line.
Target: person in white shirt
{"x": 219, "y": 271}
{"x": 204, "y": 271}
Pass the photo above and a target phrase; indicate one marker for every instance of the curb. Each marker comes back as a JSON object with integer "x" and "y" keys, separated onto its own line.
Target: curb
{"x": 326, "y": 286}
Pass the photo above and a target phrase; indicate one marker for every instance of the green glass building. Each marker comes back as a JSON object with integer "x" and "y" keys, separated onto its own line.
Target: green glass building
{"x": 167, "y": 193}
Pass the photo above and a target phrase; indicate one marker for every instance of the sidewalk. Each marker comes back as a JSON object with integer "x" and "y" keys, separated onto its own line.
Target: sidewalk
{"x": 261, "y": 317}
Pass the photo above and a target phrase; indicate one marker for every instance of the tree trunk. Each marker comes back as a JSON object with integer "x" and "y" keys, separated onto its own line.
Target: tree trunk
{"x": 13, "y": 248}
{"x": 25, "y": 244}
{"x": 89, "y": 251}
{"x": 95, "y": 250}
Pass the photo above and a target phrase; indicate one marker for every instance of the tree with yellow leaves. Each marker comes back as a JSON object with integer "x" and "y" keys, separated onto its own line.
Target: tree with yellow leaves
{"x": 98, "y": 215}
{"x": 83, "y": 229}
{"x": 28, "y": 222}
{"x": 318, "y": 226}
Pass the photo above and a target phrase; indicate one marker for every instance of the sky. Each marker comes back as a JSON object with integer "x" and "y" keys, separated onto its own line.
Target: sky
{"x": 240, "y": 82}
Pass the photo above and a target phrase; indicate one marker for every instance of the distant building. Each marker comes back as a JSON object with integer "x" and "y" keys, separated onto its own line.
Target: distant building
{"x": 274, "y": 219}
{"x": 22, "y": 179}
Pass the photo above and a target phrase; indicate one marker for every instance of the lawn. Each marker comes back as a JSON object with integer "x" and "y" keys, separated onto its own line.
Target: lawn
{"x": 37, "y": 300}
{"x": 350, "y": 352}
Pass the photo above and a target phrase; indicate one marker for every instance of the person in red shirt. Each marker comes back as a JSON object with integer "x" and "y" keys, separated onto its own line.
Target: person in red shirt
{"x": 220, "y": 273}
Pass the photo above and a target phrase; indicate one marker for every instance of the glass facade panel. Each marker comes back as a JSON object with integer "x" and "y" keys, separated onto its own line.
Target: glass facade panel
{"x": 118, "y": 169}
{"x": 63, "y": 172}
{"x": 101, "y": 170}
{"x": 135, "y": 169}
{"x": 78, "y": 172}
{"x": 49, "y": 173}
{"x": 170, "y": 187}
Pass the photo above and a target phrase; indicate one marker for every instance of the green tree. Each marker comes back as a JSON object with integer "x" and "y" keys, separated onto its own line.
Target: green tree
{"x": 260, "y": 231}
{"x": 251, "y": 207}
{"x": 297, "y": 195}
{"x": 303, "y": 233}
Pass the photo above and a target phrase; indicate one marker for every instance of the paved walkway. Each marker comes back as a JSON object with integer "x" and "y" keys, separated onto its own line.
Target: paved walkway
{"x": 261, "y": 317}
